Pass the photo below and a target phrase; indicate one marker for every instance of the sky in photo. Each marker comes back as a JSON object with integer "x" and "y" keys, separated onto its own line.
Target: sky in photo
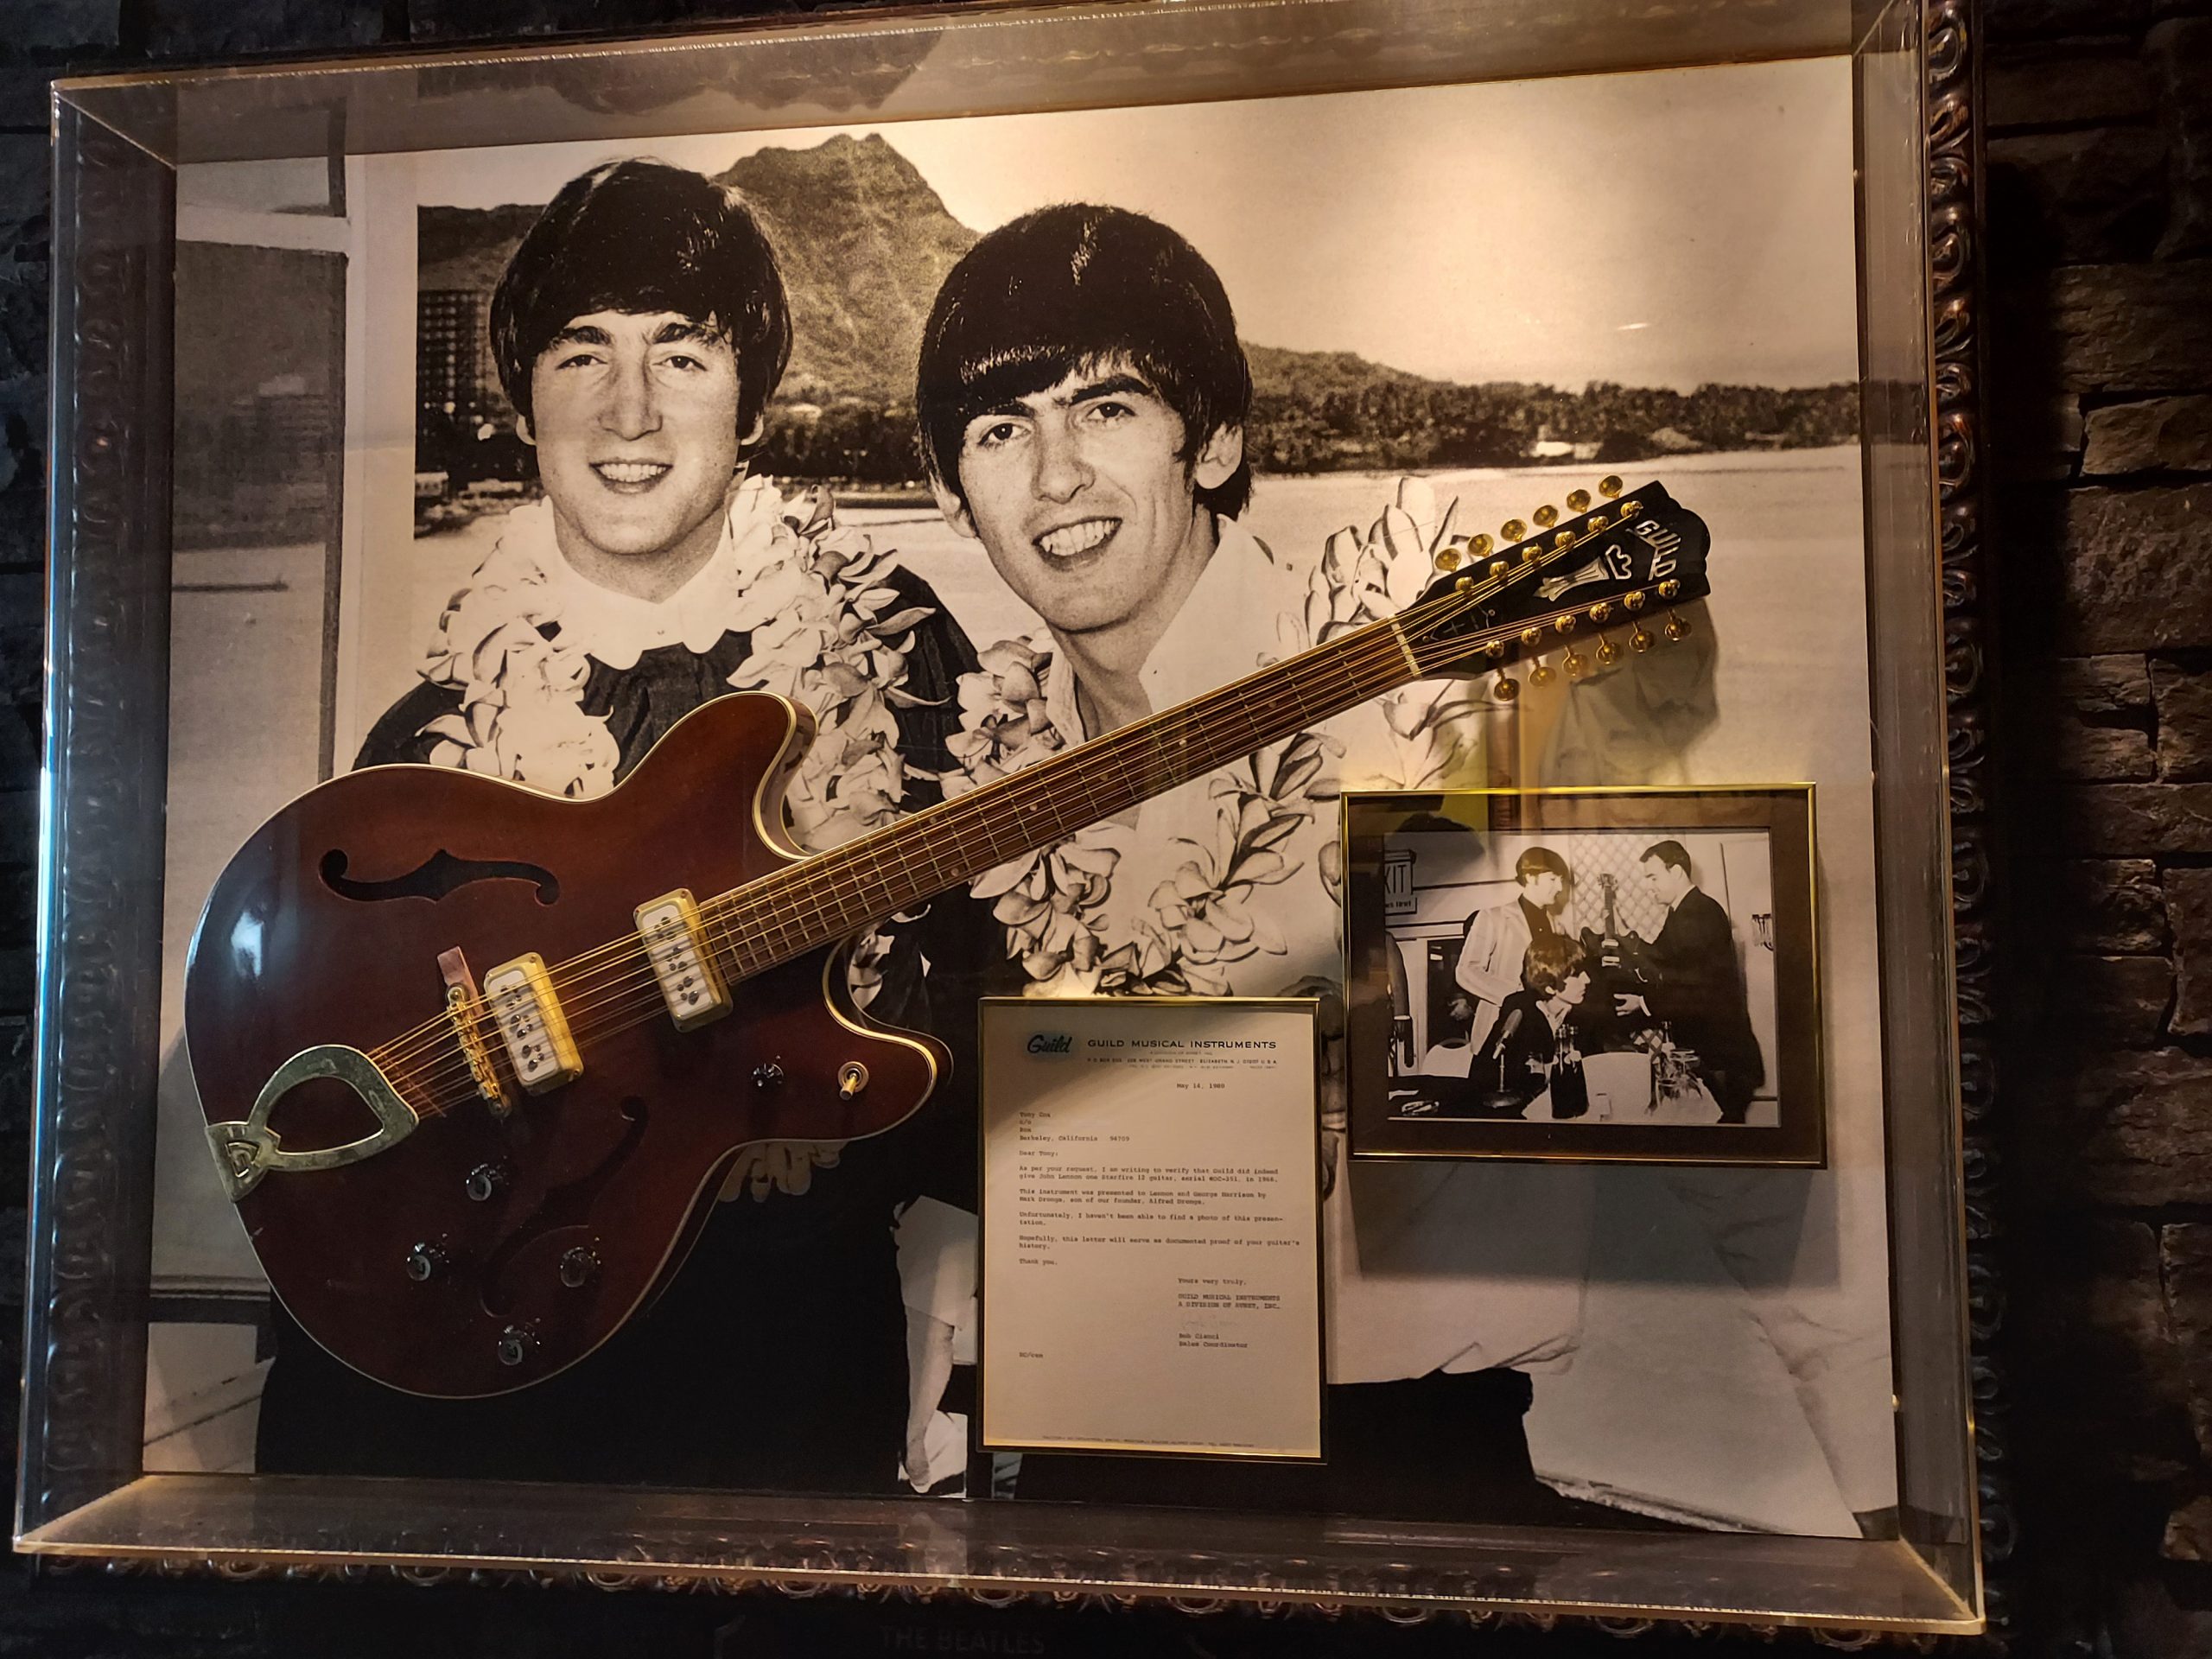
{"x": 1660, "y": 228}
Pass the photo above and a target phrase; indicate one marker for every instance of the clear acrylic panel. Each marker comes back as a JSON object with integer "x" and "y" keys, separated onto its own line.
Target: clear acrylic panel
{"x": 241, "y": 257}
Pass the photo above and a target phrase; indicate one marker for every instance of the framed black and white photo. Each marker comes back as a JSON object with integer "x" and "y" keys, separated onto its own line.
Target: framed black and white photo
{"x": 1628, "y": 975}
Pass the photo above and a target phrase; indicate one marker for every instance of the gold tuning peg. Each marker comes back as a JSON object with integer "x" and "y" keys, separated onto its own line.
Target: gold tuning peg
{"x": 1497, "y": 569}
{"x": 1465, "y": 585}
{"x": 1577, "y": 500}
{"x": 1602, "y": 612}
{"x": 1637, "y": 600}
{"x": 1546, "y": 516}
{"x": 1564, "y": 539}
{"x": 1447, "y": 559}
{"x": 1531, "y": 637}
{"x": 1513, "y": 529}
{"x": 1609, "y": 485}
{"x": 1496, "y": 651}
{"x": 1541, "y": 673}
{"x": 1677, "y": 630}
{"x": 1669, "y": 588}
{"x": 1608, "y": 653}
{"x": 1505, "y": 688}
{"x": 1575, "y": 663}
{"x": 1641, "y": 639}
{"x": 1476, "y": 546}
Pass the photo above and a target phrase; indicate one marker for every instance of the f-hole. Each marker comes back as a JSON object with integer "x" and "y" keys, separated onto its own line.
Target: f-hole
{"x": 435, "y": 877}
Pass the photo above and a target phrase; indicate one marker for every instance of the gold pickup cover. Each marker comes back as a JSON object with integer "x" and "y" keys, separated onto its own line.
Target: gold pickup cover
{"x": 674, "y": 940}
{"x": 521, "y": 997}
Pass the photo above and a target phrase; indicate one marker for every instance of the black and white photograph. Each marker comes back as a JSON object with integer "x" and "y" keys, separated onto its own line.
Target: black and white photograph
{"x": 1563, "y": 990}
{"x": 982, "y": 438}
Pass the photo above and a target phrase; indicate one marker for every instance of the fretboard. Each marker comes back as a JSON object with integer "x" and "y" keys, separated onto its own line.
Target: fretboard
{"x": 842, "y": 892}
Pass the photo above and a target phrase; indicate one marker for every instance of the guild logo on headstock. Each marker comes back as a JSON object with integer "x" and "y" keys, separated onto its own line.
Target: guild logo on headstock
{"x": 1663, "y": 543}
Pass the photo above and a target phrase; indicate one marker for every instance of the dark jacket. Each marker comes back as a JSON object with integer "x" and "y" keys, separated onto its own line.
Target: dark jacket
{"x": 1695, "y": 988}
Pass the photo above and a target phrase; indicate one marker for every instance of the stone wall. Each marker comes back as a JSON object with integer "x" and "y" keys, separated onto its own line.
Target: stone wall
{"x": 2099, "y": 133}
{"x": 2099, "y": 337}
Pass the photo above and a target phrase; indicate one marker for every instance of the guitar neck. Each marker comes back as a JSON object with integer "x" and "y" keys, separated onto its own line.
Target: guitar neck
{"x": 842, "y": 892}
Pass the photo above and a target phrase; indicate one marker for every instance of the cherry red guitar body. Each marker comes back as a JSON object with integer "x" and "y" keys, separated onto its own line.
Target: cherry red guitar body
{"x": 481, "y": 1253}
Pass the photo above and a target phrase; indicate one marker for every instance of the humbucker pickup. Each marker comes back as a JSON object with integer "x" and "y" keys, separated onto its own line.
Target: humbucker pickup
{"x": 674, "y": 935}
{"x": 521, "y": 997}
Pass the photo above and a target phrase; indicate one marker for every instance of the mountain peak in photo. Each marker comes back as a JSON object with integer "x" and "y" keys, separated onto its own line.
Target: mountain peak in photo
{"x": 865, "y": 242}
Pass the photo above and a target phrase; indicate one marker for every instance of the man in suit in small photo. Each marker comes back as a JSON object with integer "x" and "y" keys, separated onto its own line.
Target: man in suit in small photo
{"x": 1695, "y": 985}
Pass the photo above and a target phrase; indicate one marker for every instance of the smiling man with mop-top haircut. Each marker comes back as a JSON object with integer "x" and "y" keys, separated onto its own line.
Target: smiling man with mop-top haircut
{"x": 639, "y": 330}
{"x": 1083, "y": 398}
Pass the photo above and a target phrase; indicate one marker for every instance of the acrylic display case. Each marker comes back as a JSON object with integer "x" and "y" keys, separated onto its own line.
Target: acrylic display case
{"x": 1747, "y": 232}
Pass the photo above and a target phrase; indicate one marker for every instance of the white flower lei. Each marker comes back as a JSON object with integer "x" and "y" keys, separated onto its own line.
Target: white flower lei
{"x": 1195, "y": 926}
{"x": 517, "y": 645}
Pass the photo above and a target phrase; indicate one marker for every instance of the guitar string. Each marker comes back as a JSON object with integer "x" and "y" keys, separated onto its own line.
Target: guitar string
{"x": 1438, "y": 609}
{"x": 1354, "y": 652}
{"x": 654, "y": 1008}
{"x": 765, "y": 892}
{"x": 723, "y": 916}
{"x": 450, "y": 1060}
{"x": 819, "y": 927}
{"x": 742, "y": 945}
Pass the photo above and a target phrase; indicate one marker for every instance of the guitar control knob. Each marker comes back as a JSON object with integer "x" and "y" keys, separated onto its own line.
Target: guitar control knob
{"x": 852, "y": 1077}
{"x": 768, "y": 1076}
{"x": 425, "y": 1262}
{"x": 517, "y": 1343}
{"x": 486, "y": 1182}
{"x": 579, "y": 1266}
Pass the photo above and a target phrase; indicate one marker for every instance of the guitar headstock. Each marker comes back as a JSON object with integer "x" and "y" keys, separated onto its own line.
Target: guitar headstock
{"x": 1605, "y": 573}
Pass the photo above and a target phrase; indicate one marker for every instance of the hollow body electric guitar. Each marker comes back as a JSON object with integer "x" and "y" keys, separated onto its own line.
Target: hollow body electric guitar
{"x": 474, "y": 1059}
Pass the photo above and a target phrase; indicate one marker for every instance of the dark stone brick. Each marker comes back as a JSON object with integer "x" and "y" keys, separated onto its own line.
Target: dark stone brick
{"x": 2042, "y": 441}
{"x": 2185, "y": 723}
{"x": 26, "y": 183}
{"x": 193, "y": 29}
{"x": 2160, "y": 435}
{"x": 2121, "y": 999}
{"x": 2132, "y": 328}
{"x": 2091, "y": 686}
{"x": 2113, "y": 906}
{"x": 2072, "y": 748}
{"x": 15, "y": 1057}
{"x": 2019, "y": 19}
{"x": 2123, "y": 1129}
{"x": 2179, "y": 50}
{"x": 63, "y": 24}
{"x": 2105, "y": 1348}
{"x": 2185, "y": 1264}
{"x": 2188, "y": 1532}
{"x": 2135, "y": 820}
{"x": 2189, "y": 914}
{"x": 2079, "y": 196}
{"x": 2132, "y": 574}
{"x": 18, "y": 826}
{"x": 2067, "y": 86}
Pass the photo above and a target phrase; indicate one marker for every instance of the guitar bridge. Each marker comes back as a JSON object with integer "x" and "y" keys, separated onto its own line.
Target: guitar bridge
{"x": 464, "y": 1013}
{"x": 528, "y": 1013}
{"x": 675, "y": 937}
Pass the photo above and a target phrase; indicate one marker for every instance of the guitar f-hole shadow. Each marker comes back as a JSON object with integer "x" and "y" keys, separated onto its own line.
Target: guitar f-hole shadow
{"x": 436, "y": 877}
